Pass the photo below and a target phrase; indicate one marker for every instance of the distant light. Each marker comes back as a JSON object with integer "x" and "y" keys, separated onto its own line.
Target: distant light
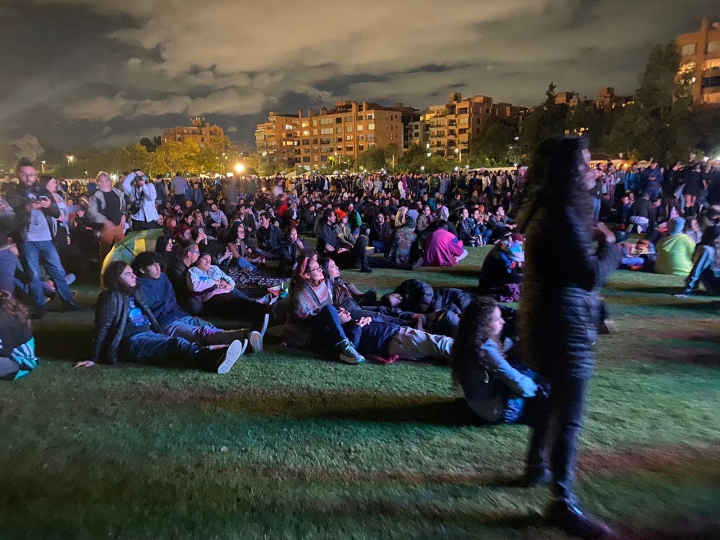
{"x": 457, "y": 169}
{"x": 114, "y": 176}
{"x": 239, "y": 167}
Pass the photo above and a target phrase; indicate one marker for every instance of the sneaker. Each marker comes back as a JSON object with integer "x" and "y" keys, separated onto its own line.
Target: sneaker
{"x": 418, "y": 264}
{"x": 348, "y": 354}
{"x": 256, "y": 342}
{"x": 235, "y": 351}
{"x": 70, "y": 279}
{"x": 366, "y": 269}
{"x": 608, "y": 326}
{"x": 72, "y": 306}
{"x": 567, "y": 516}
{"x": 685, "y": 294}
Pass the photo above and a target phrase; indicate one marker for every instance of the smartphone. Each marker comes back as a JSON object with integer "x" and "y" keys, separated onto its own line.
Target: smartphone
{"x": 43, "y": 198}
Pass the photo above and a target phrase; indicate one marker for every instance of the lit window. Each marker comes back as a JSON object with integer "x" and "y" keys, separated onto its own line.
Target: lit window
{"x": 713, "y": 47}
{"x": 360, "y": 127}
{"x": 371, "y": 127}
{"x": 689, "y": 50}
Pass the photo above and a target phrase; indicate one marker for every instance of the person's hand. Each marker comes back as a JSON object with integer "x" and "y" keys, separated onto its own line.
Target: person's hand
{"x": 45, "y": 203}
{"x": 341, "y": 250}
{"x": 364, "y": 321}
{"x": 123, "y": 220}
{"x": 84, "y": 364}
{"x": 14, "y": 250}
{"x": 602, "y": 233}
{"x": 344, "y": 316}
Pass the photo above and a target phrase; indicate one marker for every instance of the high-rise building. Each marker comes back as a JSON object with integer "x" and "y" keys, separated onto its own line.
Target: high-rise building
{"x": 571, "y": 99}
{"x": 330, "y": 135}
{"x": 700, "y": 52}
{"x": 608, "y": 101}
{"x": 199, "y": 132}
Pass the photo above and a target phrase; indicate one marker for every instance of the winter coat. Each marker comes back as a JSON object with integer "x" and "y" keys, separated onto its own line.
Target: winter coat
{"x": 560, "y": 308}
{"x": 17, "y": 196}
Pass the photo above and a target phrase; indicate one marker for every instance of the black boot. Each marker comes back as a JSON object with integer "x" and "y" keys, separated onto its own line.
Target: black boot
{"x": 567, "y": 516}
{"x": 72, "y": 306}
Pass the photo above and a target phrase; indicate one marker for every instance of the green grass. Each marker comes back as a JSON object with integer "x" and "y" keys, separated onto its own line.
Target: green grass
{"x": 289, "y": 445}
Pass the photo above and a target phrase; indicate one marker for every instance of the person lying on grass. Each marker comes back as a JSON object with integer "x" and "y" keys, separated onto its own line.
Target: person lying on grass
{"x": 387, "y": 342}
{"x": 495, "y": 390}
{"x": 312, "y": 320}
{"x": 160, "y": 297}
{"x": 17, "y": 345}
{"x": 127, "y": 331}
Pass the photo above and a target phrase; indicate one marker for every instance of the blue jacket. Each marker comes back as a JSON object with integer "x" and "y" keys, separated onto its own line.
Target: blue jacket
{"x": 371, "y": 339}
{"x": 160, "y": 298}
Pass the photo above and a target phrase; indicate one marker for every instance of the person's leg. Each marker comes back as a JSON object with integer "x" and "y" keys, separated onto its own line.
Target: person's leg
{"x": 8, "y": 264}
{"x": 30, "y": 256}
{"x": 703, "y": 263}
{"x": 270, "y": 255}
{"x": 8, "y": 368}
{"x": 54, "y": 268}
{"x": 327, "y": 327}
{"x": 416, "y": 345}
{"x": 710, "y": 281}
{"x": 158, "y": 349}
{"x": 243, "y": 264}
{"x": 359, "y": 253}
{"x": 461, "y": 256}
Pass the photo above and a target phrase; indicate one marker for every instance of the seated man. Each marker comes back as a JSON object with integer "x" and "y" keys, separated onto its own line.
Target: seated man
{"x": 177, "y": 274}
{"x": 675, "y": 251}
{"x": 17, "y": 345}
{"x": 126, "y": 330}
{"x": 268, "y": 238}
{"x": 502, "y": 265}
{"x": 388, "y": 342}
{"x": 175, "y": 322}
{"x": 329, "y": 245}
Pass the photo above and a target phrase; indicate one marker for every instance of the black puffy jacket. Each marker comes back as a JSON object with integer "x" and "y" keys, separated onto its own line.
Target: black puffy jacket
{"x": 559, "y": 311}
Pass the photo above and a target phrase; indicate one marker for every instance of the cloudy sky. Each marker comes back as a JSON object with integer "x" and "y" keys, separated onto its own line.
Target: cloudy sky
{"x": 83, "y": 73}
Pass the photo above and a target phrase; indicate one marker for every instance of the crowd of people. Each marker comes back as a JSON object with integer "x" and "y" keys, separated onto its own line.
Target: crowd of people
{"x": 551, "y": 249}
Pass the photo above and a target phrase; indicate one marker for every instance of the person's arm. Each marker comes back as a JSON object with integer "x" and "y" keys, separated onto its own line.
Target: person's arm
{"x": 127, "y": 183}
{"x": 519, "y": 384}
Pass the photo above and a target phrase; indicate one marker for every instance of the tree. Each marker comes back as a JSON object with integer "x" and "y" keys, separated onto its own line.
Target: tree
{"x": 29, "y": 147}
{"x": 658, "y": 123}
{"x": 372, "y": 159}
{"x": 492, "y": 143}
{"x": 148, "y": 144}
{"x": 544, "y": 121}
{"x": 588, "y": 120}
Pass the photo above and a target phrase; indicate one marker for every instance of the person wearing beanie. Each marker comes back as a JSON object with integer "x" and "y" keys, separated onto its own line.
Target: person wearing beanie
{"x": 675, "y": 251}
{"x": 344, "y": 230}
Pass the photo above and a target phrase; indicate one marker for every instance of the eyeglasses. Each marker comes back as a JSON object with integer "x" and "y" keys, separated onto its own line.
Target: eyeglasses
{"x": 313, "y": 269}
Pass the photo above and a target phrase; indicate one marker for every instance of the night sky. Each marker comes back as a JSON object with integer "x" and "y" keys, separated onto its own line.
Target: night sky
{"x": 82, "y": 73}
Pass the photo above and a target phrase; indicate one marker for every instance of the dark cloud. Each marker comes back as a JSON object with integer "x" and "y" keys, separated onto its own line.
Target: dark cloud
{"x": 102, "y": 72}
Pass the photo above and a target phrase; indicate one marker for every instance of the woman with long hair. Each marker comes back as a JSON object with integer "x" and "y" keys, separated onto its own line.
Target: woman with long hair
{"x": 560, "y": 312}
{"x": 312, "y": 318}
{"x": 17, "y": 345}
{"x": 243, "y": 256}
{"x": 493, "y": 388}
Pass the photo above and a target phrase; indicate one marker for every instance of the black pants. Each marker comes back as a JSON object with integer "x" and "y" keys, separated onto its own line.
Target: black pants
{"x": 144, "y": 225}
{"x": 555, "y": 437}
{"x": 354, "y": 258}
{"x": 235, "y": 306}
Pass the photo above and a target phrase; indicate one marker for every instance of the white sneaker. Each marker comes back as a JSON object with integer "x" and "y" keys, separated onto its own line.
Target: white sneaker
{"x": 256, "y": 342}
{"x": 264, "y": 327}
{"x": 235, "y": 351}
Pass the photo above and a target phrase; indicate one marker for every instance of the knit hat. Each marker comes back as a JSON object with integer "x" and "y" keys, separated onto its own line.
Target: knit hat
{"x": 340, "y": 214}
{"x": 410, "y": 222}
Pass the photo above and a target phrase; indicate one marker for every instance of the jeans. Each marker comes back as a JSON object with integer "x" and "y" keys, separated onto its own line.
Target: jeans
{"x": 416, "y": 344}
{"x": 273, "y": 255}
{"x": 327, "y": 328}
{"x": 556, "y": 434}
{"x": 380, "y": 246}
{"x": 8, "y": 264}
{"x": 703, "y": 272}
{"x": 243, "y": 264}
{"x": 159, "y": 349}
{"x": 596, "y": 209}
{"x": 193, "y": 329}
{"x": 33, "y": 255}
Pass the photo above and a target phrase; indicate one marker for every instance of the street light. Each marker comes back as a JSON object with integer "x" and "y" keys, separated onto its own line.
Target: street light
{"x": 42, "y": 163}
{"x": 70, "y": 159}
{"x": 239, "y": 168}
{"x": 422, "y": 168}
{"x": 458, "y": 151}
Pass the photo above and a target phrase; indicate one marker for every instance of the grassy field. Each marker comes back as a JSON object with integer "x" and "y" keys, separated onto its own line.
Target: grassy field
{"x": 288, "y": 445}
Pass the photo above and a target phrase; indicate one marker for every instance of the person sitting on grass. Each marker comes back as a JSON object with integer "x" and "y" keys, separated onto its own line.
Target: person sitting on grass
{"x": 442, "y": 248}
{"x": 290, "y": 246}
{"x": 502, "y": 265}
{"x": 242, "y": 255}
{"x": 160, "y": 297}
{"x": 17, "y": 345}
{"x": 329, "y": 244}
{"x": 675, "y": 251}
{"x": 312, "y": 319}
{"x": 494, "y": 389}
{"x": 387, "y": 342}
{"x": 216, "y": 290}
{"x": 127, "y": 331}
{"x": 707, "y": 268}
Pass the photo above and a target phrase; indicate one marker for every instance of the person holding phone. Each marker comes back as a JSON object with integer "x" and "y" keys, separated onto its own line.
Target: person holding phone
{"x": 142, "y": 195}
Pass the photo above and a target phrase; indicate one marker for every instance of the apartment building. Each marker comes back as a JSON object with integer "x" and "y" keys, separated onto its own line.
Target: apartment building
{"x": 200, "y": 132}
{"x": 700, "y": 52}
{"x": 451, "y": 126}
{"x": 329, "y": 135}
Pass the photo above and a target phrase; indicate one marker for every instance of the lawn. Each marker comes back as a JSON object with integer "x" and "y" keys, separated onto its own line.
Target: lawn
{"x": 289, "y": 445}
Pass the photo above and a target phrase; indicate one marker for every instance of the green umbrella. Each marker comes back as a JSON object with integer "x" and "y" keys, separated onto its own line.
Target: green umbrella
{"x": 131, "y": 246}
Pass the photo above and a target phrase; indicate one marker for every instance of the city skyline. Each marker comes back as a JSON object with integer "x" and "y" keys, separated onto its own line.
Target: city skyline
{"x": 90, "y": 73}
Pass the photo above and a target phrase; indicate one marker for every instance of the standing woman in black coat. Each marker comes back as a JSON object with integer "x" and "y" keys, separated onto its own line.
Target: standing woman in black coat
{"x": 559, "y": 313}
